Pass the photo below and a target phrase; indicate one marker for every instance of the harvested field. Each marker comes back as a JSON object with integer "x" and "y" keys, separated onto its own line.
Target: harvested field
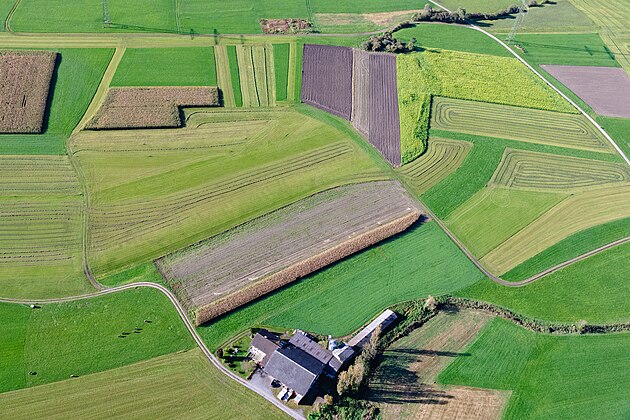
{"x": 327, "y": 79}
{"x": 546, "y": 172}
{"x": 224, "y": 77}
{"x": 280, "y": 247}
{"x": 361, "y": 91}
{"x": 605, "y": 89}
{"x": 152, "y": 193}
{"x": 403, "y": 385}
{"x": 40, "y": 227}
{"x": 578, "y": 212}
{"x": 151, "y": 107}
{"x": 442, "y": 158}
{"x": 255, "y": 67}
{"x": 528, "y": 125}
{"x": 25, "y": 78}
{"x": 384, "y": 122}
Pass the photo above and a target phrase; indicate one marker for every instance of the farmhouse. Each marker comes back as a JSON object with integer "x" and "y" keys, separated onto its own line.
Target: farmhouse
{"x": 298, "y": 363}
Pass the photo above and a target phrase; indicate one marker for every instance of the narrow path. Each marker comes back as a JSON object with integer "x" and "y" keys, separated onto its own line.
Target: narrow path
{"x": 184, "y": 317}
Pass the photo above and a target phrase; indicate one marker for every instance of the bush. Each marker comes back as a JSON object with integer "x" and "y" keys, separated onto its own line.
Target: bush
{"x": 387, "y": 43}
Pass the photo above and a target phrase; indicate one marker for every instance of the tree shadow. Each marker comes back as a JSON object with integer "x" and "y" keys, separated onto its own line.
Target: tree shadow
{"x": 51, "y": 94}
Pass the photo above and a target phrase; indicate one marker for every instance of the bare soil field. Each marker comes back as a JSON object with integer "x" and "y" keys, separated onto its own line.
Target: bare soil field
{"x": 361, "y": 91}
{"x": 327, "y": 79}
{"x": 383, "y": 117}
{"x": 242, "y": 264}
{"x": 25, "y": 78}
{"x": 404, "y": 384}
{"x": 605, "y": 89}
{"x": 150, "y": 107}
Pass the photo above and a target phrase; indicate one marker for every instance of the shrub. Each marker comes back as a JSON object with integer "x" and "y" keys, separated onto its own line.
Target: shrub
{"x": 388, "y": 43}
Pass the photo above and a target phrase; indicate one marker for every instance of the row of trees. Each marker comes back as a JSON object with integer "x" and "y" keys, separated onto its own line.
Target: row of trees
{"x": 387, "y": 43}
{"x": 428, "y": 14}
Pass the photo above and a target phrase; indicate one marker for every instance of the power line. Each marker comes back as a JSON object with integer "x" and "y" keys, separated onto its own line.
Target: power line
{"x": 519, "y": 21}
{"x": 107, "y": 21}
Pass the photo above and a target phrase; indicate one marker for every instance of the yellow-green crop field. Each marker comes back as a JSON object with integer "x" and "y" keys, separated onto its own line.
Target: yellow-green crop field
{"x": 154, "y": 191}
{"x": 462, "y": 75}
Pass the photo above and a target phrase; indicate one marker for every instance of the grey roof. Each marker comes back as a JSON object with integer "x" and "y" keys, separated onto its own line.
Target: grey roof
{"x": 312, "y": 347}
{"x": 267, "y": 343}
{"x": 383, "y": 320}
{"x": 343, "y": 353}
{"x": 295, "y": 368}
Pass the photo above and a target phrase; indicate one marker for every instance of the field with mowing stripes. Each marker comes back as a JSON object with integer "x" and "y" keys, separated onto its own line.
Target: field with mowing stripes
{"x": 150, "y": 195}
{"x": 546, "y": 373}
{"x": 40, "y": 228}
{"x": 442, "y": 158}
{"x": 181, "y": 384}
{"x": 530, "y": 125}
{"x": 256, "y": 73}
{"x": 533, "y": 171}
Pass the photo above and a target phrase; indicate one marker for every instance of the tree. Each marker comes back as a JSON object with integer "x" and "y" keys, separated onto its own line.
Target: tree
{"x": 430, "y": 304}
{"x": 351, "y": 380}
{"x": 370, "y": 350}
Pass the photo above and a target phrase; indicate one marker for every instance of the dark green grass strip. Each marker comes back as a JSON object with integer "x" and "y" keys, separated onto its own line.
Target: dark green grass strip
{"x": 595, "y": 289}
{"x": 281, "y": 69}
{"x": 82, "y": 337}
{"x": 77, "y": 76}
{"x": 417, "y": 263}
{"x": 571, "y": 247}
{"x": 481, "y": 163}
{"x": 552, "y": 377}
{"x": 236, "y": 81}
{"x": 619, "y": 130}
{"x": 299, "y": 48}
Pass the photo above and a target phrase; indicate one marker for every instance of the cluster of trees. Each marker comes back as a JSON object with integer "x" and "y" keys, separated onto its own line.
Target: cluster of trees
{"x": 462, "y": 16}
{"x": 388, "y": 43}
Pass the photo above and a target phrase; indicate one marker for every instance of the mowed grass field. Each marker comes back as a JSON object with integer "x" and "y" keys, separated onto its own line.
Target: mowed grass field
{"x": 74, "y": 83}
{"x": 572, "y": 377}
{"x": 166, "y": 67}
{"x": 420, "y": 262}
{"x": 40, "y": 228}
{"x": 595, "y": 289}
{"x": 50, "y": 343}
{"x": 182, "y": 384}
{"x": 153, "y": 191}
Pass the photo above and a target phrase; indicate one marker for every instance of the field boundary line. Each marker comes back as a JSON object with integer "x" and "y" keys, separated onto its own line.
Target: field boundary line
{"x": 103, "y": 87}
{"x": 530, "y": 67}
{"x": 7, "y": 20}
{"x": 528, "y": 280}
{"x": 184, "y": 317}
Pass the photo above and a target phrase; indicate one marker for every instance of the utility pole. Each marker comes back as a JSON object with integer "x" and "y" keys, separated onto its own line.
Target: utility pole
{"x": 107, "y": 22}
{"x": 519, "y": 21}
